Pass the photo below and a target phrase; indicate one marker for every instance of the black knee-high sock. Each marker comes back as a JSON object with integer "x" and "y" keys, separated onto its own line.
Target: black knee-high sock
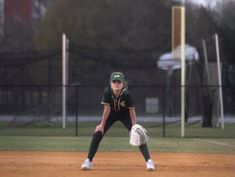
{"x": 145, "y": 152}
{"x": 97, "y": 137}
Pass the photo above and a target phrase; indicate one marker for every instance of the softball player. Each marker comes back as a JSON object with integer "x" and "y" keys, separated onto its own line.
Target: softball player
{"x": 118, "y": 106}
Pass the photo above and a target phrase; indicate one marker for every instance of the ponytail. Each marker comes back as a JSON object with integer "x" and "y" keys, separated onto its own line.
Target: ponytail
{"x": 125, "y": 84}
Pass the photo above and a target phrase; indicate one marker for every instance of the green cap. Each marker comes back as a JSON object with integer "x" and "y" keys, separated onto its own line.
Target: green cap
{"x": 117, "y": 76}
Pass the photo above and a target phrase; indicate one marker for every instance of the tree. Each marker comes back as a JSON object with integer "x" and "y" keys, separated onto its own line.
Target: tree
{"x": 225, "y": 18}
{"x": 200, "y": 24}
{"x": 116, "y": 30}
{"x": 106, "y": 24}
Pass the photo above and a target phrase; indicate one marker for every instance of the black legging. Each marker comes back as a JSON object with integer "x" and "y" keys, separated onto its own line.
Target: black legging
{"x": 97, "y": 136}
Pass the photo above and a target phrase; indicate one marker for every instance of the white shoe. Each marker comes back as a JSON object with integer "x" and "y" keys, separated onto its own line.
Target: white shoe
{"x": 87, "y": 165}
{"x": 150, "y": 165}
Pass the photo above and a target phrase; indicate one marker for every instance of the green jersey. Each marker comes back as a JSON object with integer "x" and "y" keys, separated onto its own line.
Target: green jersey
{"x": 121, "y": 103}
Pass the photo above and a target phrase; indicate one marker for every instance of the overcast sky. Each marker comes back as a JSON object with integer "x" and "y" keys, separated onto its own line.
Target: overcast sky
{"x": 199, "y": 1}
{"x": 204, "y": 2}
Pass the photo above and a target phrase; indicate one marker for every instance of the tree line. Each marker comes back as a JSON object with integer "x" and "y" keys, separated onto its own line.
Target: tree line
{"x": 115, "y": 31}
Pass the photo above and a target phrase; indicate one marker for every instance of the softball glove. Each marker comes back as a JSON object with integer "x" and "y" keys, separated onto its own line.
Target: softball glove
{"x": 138, "y": 135}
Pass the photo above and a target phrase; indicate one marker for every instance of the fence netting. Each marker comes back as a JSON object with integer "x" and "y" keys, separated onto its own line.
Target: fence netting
{"x": 130, "y": 37}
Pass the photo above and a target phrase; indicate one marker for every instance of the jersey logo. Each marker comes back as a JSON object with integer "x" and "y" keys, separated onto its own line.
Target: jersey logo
{"x": 122, "y": 103}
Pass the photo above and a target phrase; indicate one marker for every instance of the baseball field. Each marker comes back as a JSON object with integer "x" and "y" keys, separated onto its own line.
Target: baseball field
{"x": 114, "y": 164}
{"x": 30, "y": 153}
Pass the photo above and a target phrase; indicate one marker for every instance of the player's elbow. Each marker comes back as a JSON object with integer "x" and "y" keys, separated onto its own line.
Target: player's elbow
{"x": 131, "y": 109}
{"x": 107, "y": 108}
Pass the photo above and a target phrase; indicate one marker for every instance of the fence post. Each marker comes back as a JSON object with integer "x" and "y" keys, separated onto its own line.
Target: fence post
{"x": 164, "y": 112}
{"x": 76, "y": 109}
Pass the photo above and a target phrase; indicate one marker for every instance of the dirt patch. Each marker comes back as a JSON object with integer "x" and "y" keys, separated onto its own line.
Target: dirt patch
{"x": 114, "y": 164}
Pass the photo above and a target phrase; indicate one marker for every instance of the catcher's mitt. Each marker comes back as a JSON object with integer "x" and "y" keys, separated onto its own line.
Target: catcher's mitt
{"x": 138, "y": 135}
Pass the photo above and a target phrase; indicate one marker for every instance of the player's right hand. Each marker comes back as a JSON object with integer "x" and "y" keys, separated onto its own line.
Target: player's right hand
{"x": 99, "y": 127}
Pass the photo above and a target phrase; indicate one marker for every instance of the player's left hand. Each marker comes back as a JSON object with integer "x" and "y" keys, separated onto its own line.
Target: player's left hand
{"x": 99, "y": 127}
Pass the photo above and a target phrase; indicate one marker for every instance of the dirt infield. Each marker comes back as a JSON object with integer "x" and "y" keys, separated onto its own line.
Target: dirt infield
{"x": 114, "y": 164}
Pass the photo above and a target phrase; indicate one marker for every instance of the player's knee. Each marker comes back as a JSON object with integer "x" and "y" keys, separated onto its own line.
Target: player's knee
{"x": 143, "y": 146}
{"x": 97, "y": 136}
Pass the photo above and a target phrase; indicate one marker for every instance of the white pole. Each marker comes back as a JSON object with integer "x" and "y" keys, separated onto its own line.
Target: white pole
{"x": 183, "y": 72}
{"x": 2, "y": 18}
{"x": 206, "y": 61}
{"x": 219, "y": 68}
{"x": 64, "y": 81}
{"x": 67, "y": 62}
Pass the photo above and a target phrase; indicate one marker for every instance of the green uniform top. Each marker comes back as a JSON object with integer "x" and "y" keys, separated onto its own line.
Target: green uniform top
{"x": 122, "y": 103}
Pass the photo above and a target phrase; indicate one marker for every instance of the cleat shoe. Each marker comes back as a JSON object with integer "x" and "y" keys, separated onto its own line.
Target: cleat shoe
{"x": 150, "y": 165}
{"x": 87, "y": 165}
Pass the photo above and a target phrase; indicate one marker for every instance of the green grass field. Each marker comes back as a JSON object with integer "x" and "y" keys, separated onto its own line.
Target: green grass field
{"x": 52, "y": 137}
{"x": 118, "y": 130}
{"x": 116, "y": 144}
